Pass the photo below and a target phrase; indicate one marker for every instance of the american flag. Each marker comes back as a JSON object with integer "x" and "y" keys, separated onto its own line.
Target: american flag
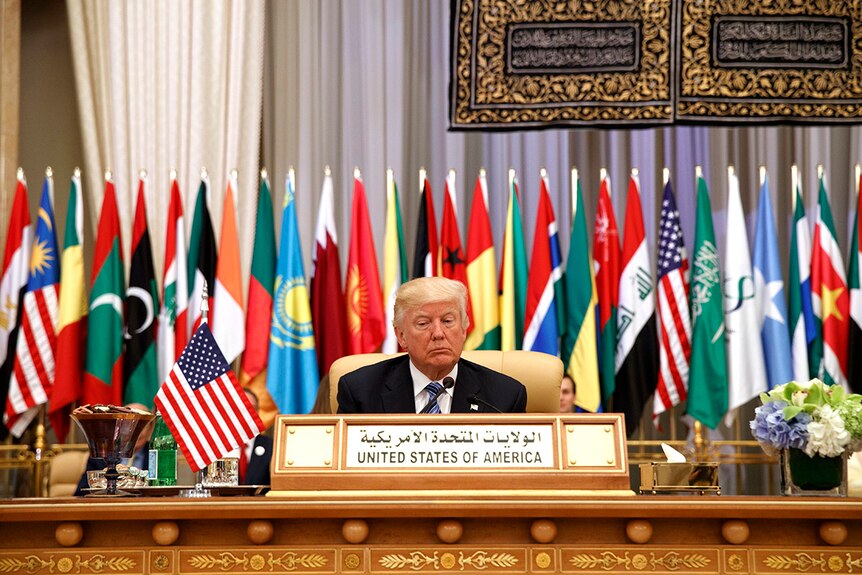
{"x": 204, "y": 405}
{"x": 674, "y": 325}
{"x": 33, "y": 373}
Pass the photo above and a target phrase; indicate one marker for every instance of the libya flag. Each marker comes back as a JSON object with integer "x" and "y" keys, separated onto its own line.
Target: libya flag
{"x": 707, "y": 394}
{"x": 103, "y": 369}
{"x": 140, "y": 370}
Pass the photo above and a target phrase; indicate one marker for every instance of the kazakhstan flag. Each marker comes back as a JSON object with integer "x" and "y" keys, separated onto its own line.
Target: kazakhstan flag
{"x": 292, "y": 378}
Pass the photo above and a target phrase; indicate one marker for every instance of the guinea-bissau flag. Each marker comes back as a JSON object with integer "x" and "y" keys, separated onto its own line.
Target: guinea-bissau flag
{"x": 453, "y": 264}
{"x": 72, "y": 321}
{"x": 252, "y": 372}
{"x": 103, "y": 371}
{"x": 425, "y": 253}
{"x": 482, "y": 272}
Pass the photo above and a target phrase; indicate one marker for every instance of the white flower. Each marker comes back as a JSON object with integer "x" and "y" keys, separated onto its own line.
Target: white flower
{"x": 826, "y": 433}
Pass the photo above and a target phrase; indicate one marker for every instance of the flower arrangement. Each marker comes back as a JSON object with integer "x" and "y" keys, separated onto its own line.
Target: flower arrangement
{"x": 814, "y": 417}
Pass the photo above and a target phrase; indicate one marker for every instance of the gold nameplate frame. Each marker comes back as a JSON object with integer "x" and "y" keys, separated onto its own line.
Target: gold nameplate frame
{"x": 385, "y": 455}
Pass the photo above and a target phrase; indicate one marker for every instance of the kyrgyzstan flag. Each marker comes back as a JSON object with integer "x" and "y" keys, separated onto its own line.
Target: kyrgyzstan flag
{"x": 830, "y": 297}
{"x": 365, "y": 315}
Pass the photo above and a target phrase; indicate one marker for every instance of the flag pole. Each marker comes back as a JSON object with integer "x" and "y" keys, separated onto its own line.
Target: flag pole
{"x": 199, "y": 491}
{"x": 794, "y": 185}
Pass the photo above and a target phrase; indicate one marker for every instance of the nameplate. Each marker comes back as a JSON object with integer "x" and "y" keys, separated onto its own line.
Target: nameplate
{"x": 496, "y": 446}
{"x": 353, "y": 456}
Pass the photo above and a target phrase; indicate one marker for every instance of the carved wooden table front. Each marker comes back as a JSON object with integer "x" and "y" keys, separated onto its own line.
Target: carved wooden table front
{"x": 586, "y": 535}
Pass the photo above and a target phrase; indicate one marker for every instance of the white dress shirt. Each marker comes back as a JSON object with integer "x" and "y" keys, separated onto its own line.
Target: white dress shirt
{"x": 421, "y": 395}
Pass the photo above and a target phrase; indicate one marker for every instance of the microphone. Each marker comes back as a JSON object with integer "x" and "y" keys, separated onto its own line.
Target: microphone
{"x": 478, "y": 399}
{"x": 448, "y": 382}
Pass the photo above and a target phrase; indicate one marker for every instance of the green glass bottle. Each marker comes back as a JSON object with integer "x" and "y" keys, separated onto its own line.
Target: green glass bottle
{"x": 162, "y": 466}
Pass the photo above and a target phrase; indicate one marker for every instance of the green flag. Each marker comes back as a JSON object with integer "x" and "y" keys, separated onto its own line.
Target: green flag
{"x": 707, "y": 394}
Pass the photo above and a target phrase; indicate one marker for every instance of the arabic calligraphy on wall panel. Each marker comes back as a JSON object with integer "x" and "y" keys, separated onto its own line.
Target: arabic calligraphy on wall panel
{"x": 528, "y": 64}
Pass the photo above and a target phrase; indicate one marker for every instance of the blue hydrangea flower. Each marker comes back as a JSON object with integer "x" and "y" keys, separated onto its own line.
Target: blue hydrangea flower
{"x": 769, "y": 427}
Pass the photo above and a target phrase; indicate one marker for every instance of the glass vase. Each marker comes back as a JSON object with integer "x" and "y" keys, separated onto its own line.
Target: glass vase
{"x": 812, "y": 476}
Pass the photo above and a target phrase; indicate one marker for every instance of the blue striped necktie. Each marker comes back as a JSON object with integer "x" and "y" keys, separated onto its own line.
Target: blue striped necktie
{"x": 434, "y": 389}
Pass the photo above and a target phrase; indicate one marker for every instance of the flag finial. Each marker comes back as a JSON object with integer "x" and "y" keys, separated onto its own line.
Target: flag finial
{"x": 205, "y": 302}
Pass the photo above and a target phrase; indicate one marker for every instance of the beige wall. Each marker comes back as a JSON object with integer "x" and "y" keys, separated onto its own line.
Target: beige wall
{"x": 49, "y": 128}
{"x": 10, "y": 19}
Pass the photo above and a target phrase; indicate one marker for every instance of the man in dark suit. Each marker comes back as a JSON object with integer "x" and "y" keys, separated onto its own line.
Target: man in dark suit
{"x": 256, "y": 455}
{"x": 431, "y": 325}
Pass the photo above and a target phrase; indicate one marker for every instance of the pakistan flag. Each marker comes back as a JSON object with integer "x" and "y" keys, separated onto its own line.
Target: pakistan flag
{"x": 707, "y": 394}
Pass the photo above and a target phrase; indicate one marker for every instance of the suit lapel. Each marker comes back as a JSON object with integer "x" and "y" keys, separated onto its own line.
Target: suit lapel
{"x": 397, "y": 396}
{"x": 466, "y": 386}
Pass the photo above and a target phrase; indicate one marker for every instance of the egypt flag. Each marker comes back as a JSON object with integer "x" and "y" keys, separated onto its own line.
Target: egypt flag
{"x": 394, "y": 259}
{"x": 854, "y": 361}
{"x": 103, "y": 372}
{"x": 327, "y": 297}
{"x": 606, "y": 258}
{"x": 425, "y": 253}
{"x": 637, "y": 348}
{"x": 261, "y": 283}
{"x": 453, "y": 264}
{"x": 544, "y": 285}
{"x": 364, "y": 298}
{"x": 16, "y": 262}
{"x": 579, "y": 331}
{"x": 674, "y": 319}
{"x": 33, "y": 375}
{"x": 830, "y": 298}
{"x": 202, "y": 254}
{"x": 72, "y": 322}
{"x": 513, "y": 274}
{"x": 482, "y": 273}
{"x": 140, "y": 367}
{"x": 228, "y": 314}
{"x": 173, "y": 316}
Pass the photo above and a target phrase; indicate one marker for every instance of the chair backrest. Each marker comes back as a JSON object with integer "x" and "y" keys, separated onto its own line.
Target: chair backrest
{"x": 64, "y": 472}
{"x": 540, "y": 373}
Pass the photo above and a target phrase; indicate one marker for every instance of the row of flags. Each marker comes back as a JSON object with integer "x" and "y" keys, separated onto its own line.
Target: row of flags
{"x": 625, "y": 332}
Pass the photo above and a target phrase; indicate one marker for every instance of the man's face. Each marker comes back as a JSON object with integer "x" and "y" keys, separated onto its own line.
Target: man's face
{"x": 433, "y": 336}
{"x": 567, "y": 395}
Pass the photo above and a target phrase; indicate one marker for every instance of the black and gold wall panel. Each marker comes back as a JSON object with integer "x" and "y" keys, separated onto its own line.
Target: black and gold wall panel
{"x": 521, "y": 63}
{"x": 762, "y": 61}
{"x": 540, "y": 63}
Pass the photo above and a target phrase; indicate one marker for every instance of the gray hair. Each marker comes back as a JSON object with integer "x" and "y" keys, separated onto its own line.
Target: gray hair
{"x": 420, "y": 291}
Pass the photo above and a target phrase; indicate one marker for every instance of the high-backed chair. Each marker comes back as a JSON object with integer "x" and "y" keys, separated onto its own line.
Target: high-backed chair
{"x": 540, "y": 373}
{"x": 64, "y": 472}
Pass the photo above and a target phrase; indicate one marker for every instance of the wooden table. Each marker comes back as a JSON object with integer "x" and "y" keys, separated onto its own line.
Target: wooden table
{"x": 589, "y": 535}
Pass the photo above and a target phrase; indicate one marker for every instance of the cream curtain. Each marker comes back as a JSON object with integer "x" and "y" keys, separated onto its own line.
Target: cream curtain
{"x": 169, "y": 84}
{"x": 365, "y": 83}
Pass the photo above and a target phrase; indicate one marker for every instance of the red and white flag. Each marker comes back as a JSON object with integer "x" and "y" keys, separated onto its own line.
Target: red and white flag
{"x": 674, "y": 321}
{"x": 204, "y": 405}
{"x": 228, "y": 317}
{"x": 173, "y": 317}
